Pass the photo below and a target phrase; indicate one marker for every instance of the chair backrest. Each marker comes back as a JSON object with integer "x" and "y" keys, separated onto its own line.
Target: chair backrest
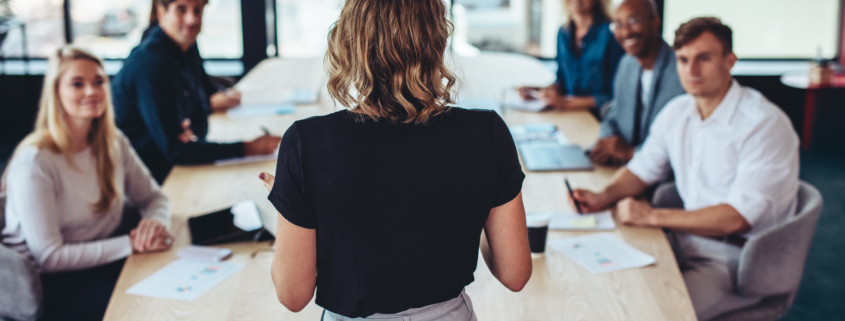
{"x": 666, "y": 196}
{"x": 2, "y": 210}
{"x": 772, "y": 262}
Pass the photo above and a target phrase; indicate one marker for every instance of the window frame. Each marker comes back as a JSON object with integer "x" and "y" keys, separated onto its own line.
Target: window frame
{"x": 256, "y": 44}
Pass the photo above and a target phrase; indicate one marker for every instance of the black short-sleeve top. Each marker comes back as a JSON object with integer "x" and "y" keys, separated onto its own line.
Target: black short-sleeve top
{"x": 398, "y": 208}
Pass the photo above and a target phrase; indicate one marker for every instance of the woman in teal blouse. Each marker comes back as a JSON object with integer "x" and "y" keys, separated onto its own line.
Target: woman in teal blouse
{"x": 587, "y": 59}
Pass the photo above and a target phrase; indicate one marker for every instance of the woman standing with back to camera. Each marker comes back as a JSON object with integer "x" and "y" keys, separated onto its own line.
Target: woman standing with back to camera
{"x": 384, "y": 204}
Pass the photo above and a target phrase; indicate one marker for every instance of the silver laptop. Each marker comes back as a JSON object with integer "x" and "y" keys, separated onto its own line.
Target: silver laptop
{"x": 554, "y": 157}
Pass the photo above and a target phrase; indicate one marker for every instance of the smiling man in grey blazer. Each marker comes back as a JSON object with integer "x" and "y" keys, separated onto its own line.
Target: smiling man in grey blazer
{"x": 646, "y": 80}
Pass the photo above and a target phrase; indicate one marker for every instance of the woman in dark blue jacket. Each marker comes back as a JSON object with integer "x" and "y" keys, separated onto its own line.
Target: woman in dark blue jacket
{"x": 163, "y": 96}
{"x": 587, "y": 58}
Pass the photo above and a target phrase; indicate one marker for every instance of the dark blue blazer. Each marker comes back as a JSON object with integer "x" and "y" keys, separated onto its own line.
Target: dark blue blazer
{"x": 158, "y": 87}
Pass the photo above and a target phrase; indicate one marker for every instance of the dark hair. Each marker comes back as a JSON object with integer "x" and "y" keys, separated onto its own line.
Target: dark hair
{"x": 163, "y": 3}
{"x": 693, "y": 29}
{"x": 600, "y": 11}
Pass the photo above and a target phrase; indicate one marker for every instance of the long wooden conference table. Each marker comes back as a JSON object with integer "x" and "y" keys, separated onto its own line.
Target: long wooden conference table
{"x": 559, "y": 288}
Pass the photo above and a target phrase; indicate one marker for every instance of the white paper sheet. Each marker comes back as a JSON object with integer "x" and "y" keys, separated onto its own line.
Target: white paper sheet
{"x": 602, "y": 252}
{"x": 280, "y": 95}
{"x": 538, "y": 133}
{"x": 247, "y": 111}
{"x": 569, "y": 221}
{"x": 479, "y": 102}
{"x": 185, "y": 279}
{"x": 246, "y": 215}
{"x": 248, "y": 159}
{"x": 527, "y": 105}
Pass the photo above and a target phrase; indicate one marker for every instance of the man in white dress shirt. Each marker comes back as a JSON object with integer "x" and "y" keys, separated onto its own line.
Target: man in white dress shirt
{"x": 735, "y": 159}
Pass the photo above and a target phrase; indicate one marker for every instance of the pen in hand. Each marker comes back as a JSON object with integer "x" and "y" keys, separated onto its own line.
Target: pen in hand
{"x": 265, "y": 130}
{"x": 572, "y": 195}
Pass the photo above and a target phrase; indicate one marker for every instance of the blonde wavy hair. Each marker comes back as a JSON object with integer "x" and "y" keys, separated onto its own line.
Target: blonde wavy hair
{"x": 53, "y": 133}
{"x": 385, "y": 59}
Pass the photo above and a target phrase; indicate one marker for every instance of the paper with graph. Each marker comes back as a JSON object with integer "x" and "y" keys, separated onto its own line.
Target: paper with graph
{"x": 185, "y": 279}
{"x": 602, "y": 252}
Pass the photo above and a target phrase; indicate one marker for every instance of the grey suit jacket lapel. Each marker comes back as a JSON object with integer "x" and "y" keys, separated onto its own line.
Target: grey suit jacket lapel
{"x": 660, "y": 65}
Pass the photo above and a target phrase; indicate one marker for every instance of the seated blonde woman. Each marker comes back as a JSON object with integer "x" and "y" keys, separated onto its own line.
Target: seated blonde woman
{"x": 67, "y": 184}
{"x": 384, "y": 205}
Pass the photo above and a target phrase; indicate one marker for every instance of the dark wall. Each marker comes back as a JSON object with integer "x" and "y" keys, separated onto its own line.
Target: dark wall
{"x": 19, "y": 103}
{"x": 828, "y": 131}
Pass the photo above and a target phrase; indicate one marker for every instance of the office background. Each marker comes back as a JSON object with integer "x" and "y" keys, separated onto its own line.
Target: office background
{"x": 772, "y": 37}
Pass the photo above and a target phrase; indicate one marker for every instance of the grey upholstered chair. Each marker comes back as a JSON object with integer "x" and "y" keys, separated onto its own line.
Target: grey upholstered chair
{"x": 20, "y": 298}
{"x": 772, "y": 262}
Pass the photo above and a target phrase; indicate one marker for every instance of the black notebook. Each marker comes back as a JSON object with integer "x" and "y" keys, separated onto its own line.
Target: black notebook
{"x": 218, "y": 227}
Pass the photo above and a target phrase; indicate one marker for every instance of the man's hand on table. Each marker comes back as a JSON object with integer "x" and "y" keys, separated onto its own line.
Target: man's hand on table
{"x": 611, "y": 150}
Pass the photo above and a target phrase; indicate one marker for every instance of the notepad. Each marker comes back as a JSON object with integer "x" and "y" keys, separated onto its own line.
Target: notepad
{"x": 582, "y": 222}
{"x": 602, "y": 253}
{"x": 185, "y": 279}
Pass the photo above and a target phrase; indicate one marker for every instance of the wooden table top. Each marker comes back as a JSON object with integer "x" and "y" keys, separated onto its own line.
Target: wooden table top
{"x": 559, "y": 288}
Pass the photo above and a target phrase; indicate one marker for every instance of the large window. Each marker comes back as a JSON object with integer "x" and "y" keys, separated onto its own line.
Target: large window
{"x": 766, "y": 28}
{"x": 111, "y": 28}
{"x": 494, "y": 25}
{"x": 41, "y": 20}
{"x": 303, "y": 26}
{"x": 108, "y": 28}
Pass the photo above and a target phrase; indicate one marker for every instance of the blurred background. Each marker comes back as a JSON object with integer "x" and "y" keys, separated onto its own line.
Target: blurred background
{"x": 772, "y": 38}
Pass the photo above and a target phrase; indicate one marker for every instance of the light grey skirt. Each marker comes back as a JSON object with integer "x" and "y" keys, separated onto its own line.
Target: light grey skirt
{"x": 457, "y": 309}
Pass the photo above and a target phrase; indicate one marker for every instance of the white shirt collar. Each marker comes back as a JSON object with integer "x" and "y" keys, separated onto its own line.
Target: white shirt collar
{"x": 726, "y": 109}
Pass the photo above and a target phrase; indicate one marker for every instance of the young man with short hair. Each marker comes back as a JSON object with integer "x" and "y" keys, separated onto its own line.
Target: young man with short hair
{"x": 163, "y": 97}
{"x": 734, "y": 155}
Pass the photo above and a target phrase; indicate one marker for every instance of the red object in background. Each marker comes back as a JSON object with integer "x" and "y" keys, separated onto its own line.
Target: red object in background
{"x": 842, "y": 33}
{"x": 802, "y": 81}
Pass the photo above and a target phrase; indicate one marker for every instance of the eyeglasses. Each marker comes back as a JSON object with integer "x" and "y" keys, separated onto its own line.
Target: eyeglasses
{"x": 629, "y": 23}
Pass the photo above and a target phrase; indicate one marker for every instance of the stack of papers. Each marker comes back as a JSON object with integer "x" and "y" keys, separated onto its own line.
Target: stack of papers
{"x": 185, "y": 279}
{"x": 582, "y": 222}
{"x": 602, "y": 252}
{"x": 538, "y": 133}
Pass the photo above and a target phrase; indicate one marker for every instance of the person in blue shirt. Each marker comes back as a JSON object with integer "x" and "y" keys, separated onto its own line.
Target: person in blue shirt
{"x": 163, "y": 96}
{"x": 587, "y": 58}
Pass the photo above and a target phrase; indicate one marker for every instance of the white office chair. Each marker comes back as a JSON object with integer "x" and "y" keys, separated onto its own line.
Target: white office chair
{"x": 19, "y": 281}
{"x": 772, "y": 262}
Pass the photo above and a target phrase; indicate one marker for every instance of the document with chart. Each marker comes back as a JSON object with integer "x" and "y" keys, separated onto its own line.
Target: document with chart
{"x": 185, "y": 279}
{"x": 602, "y": 252}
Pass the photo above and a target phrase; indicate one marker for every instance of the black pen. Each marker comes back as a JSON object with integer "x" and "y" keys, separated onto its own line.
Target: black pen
{"x": 265, "y": 130}
{"x": 572, "y": 195}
